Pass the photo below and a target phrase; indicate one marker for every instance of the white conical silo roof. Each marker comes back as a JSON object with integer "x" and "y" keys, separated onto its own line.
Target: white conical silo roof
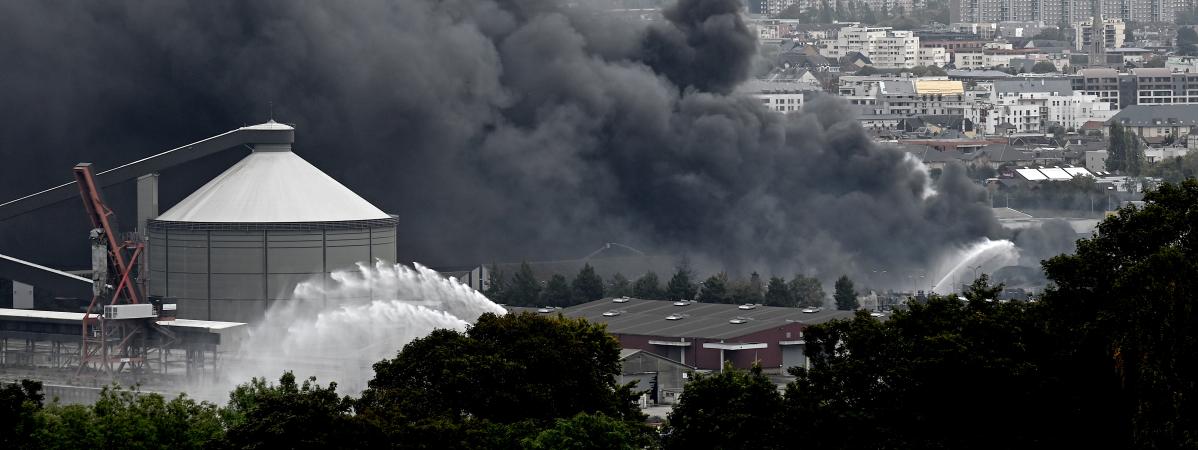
{"x": 273, "y": 185}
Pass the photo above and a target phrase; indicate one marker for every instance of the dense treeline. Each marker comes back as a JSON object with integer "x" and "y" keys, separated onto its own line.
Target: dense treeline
{"x": 1106, "y": 359}
{"x": 516, "y": 381}
{"x": 523, "y": 289}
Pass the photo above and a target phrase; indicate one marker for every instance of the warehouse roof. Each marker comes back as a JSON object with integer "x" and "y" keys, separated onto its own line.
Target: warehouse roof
{"x": 698, "y": 320}
{"x": 273, "y": 185}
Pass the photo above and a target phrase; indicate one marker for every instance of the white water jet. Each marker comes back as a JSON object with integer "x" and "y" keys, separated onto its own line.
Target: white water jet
{"x": 986, "y": 256}
{"x": 336, "y": 330}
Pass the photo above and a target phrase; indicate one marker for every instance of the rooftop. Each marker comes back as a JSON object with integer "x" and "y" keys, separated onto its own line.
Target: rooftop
{"x": 700, "y": 320}
{"x": 1021, "y": 86}
{"x": 1149, "y": 115}
{"x": 272, "y": 185}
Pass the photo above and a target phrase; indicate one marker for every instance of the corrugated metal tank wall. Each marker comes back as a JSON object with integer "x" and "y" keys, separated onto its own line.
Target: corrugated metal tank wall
{"x": 236, "y": 274}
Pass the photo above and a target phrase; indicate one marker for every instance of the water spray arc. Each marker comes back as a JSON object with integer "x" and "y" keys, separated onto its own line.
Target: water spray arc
{"x": 340, "y": 342}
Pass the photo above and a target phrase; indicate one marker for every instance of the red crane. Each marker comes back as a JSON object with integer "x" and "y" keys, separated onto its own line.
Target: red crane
{"x": 110, "y": 344}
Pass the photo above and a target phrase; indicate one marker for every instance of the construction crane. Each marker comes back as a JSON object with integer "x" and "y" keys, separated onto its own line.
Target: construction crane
{"x": 119, "y": 318}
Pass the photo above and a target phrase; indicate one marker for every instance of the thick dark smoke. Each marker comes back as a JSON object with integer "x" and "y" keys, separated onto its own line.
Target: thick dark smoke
{"x": 496, "y": 129}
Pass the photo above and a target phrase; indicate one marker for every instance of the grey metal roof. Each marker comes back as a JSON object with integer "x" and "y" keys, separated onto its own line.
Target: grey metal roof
{"x": 977, "y": 73}
{"x": 897, "y": 87}
{"x": 1095, "y": 72}
{"x": 703, "y": 320}
{"x": 1062, "y": 86}
{"x": 1147, "y": 115}
{"x": 1152, "y": 72}
{"x": 272, "y": 185}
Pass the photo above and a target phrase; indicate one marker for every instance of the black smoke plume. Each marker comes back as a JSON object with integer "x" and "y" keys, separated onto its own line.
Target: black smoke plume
{"x": 497, "y": 130}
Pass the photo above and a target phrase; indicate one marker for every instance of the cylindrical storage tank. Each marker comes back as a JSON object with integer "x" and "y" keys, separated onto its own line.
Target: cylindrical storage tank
{"x": 244, "y": 241}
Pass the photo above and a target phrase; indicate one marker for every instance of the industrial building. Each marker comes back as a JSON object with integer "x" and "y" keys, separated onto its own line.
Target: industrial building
{"x": 704, "y": 335}
{"x": 248, "y": 237}
{"x": 163, "y": 299}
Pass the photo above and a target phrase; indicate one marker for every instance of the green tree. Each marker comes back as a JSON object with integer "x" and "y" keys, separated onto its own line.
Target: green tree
{"x": 524, "y": 290}
{"x": 128, "y": 419}
{"x": 934, "y": 376}
{"x": 846, "y": 295}
{"x": 777, "y": 294}
{"x": 1052, "y": 34}
{"x": 292, "y": 415}
{"x": 1187, "y": 42}
{"x": 487, "y": 384}
{"x": 19, "y": 404}
{"x": 1124, "y": 154}
{"x": 728, "y": 409}
{"x": 807, "y": 291}
{"x": 867, "y": 14}
{"x": 715, "y": 289}
{"x": 748, "y": 291}
{"x": 680, "y": 286}
{"x": 867, "y": 70}
{"x": 1044, "y": 67}
{"x": 619, "y": 286}
{"x": 1174, "y": 170}
{"x": 825, "y": 12}
{"x": 647, "y": 287}
{"x": 497, "y": 287}
{"x": 1122, "y": 308}
{"x": 591, "y": 431}
{"x": 556, "y": 292}
{"x": 587, "y": 285}
{"x": 934, "y": 71}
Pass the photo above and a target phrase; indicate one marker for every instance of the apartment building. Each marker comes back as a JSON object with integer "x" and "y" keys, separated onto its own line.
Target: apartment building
{"x": 1160, "y": 86}
{"x": 1054, "y": 12}
{"x": 1101, "y": 83}
{"x": 1113, "y": 32}
{"x": 1034, "y": 105}
{"x": 779, "y": 96}
{"x": 886, "y": 48}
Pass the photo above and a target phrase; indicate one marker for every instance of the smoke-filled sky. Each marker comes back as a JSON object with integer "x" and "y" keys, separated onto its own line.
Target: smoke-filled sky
{"x": 496, "y": 130}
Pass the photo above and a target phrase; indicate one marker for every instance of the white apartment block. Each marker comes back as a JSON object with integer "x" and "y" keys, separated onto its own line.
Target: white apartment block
{"x": 980, "y": 58}
{"x": 886, "y": 48}
{"x": 933, "y": 56}
{"x": 1113, "y": 31}
{"x": 1055, "y": 12}
{"x": 1033, "y": 105}
{"x": 779, "y": 96}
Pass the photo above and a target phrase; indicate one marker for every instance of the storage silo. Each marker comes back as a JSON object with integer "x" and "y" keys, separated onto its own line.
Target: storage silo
{"x": 245, "y": 239}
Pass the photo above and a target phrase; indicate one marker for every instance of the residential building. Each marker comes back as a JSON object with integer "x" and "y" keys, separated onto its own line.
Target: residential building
{"x": 1113, "y": 32}
{"x": 885, "y": 47}
{"x": 987, "y": 58}
{"x": 1158, "y": 86}
{"x": 1034, "y": 105}
{"x": 1053, "y": 12}
{"x": 1102, "y": 83}
{"x": 1185, "y": 64}
{"x": 1096, "y": 160}
{"x": 932, "y": 56}
{"x": 779, "y": 96}
{"x": 1158, "y": 121}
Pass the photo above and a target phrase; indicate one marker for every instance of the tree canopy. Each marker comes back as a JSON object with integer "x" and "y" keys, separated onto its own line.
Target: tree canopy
{"x": 587, "y": 285}
{"x": 846, "y": 295}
